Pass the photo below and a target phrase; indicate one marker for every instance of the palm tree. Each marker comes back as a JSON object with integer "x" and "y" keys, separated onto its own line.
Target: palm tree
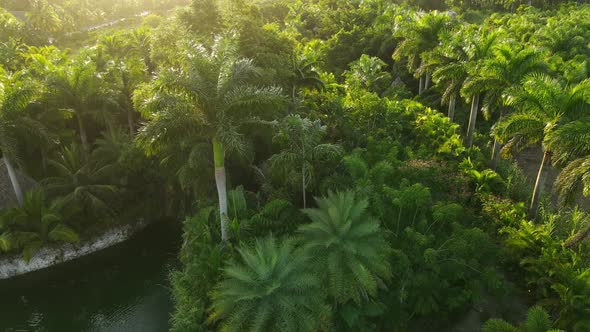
{"x": 76, "y": 87}
{"x": 79, "y": 183}
{"x": 476, "y": 49}
{"x": 537, "y": 321}
{"x": 33, "y": 224}
{"x": 347, "y": 246}
{"x": 207, "y": 100}
{"x": 303, "y": 150}
{"x": 452, "y": 62}
{"x": 141, "y": 42}
{"x": 420, "y": 36}
{"x": 543, "y": 106}
{"x": 571, "y": 148}
{"x": 304, "y": 75}
{"x": 505, "y": 70}
{"x": 17, "y": 93}
{"x": 270, "y": 289}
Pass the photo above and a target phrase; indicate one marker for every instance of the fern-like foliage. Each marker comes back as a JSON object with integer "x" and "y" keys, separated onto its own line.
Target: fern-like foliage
{"x": 269, "y": 289}
{"x": 537, "y": 321}
{"x": 347, "y": 246}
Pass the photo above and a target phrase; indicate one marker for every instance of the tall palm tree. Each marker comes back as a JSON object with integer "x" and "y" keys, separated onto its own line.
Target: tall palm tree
{"x": 505, "y": 70}
{"x": 303, "y": 150}
{"x": 347, "y": 246}
{"x": 270, "y": 289}
{"x": 451, "y": 63}
{"x": 208, "y": 99}
{"x": 420, "y": 36}
{"x": 543, "y": 106}
{"x": 17, "y": 93}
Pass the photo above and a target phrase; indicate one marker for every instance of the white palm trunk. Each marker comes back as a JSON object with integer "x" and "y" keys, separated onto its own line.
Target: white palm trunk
{"x": 472, "y": 120}
{"x": 452, "y": 105}
{"x": 18, "y": 192}
{"x": 421, "y": 85}
{"x": 427, "y": 81}
{"x": 539, "y": 185}
{"x": 221, "y": 183}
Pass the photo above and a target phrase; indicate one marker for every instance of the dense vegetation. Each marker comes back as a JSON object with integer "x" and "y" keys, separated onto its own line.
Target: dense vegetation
{"x": 340, "y": 165}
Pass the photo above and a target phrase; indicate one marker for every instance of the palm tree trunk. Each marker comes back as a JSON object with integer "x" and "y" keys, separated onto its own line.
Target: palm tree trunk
{"x": 495, "y": 155}
{"x": 220, "y": 182}
{"x": 18, "y": 192}
{"x": 539, "y": 184}
{"x": 497, "y": 147}
{"x": 83, "y": 136}
{"x": 452, "y": 105}
{"x": 472, "y": 120}
{"x": 130, "y": 122}
{"x": 303, "y": 186}
{"x": 427, "y": 81}
{"x": 421, "y": 85}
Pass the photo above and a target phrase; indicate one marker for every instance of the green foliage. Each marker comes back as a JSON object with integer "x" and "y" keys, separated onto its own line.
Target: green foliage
{"x": 269, "y": 289}
{"x": 203, "y": 258}
{"x": 537, "y": 321}
{"x": 35, "y": 223}
{"x": 348, "y": 246}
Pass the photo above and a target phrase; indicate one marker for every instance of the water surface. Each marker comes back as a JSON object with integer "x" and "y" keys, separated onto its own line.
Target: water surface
{"x": 124, "y": 288}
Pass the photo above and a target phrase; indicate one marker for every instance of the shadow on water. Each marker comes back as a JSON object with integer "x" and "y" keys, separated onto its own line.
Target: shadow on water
{"x": 124, "y": 288}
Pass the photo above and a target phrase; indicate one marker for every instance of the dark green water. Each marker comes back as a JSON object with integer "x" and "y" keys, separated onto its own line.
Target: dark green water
{"x": 124, "y": 288}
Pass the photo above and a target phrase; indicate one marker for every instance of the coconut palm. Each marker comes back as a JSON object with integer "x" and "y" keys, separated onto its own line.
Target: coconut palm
{"x": 205, "y": 101}
{"x": 303, "y": 149}
{"x": 269, "y": 289}
{"x": 347, "y": 247}
{"x": 543, "y": 106}
{"x": 17, "y": 93}
{"x": 420, "y": 36}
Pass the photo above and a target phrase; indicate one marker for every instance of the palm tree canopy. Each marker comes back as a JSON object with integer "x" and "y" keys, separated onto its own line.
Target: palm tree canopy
{"x": 210, "y": 95}
{"x": 269, "y": 289}
{"x": 347, "y": 245}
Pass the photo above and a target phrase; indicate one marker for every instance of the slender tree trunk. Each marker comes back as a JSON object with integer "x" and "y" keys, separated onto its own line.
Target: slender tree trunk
{"x": 427, "y": 81}
{"x": 452, "y": 105}
{"x": 421, "y": 85}
{"x": 130, "y": 122}
{"x": 303, "y": 185}
{"x": 495, "y": 155}
{"x": 472, "y": 120}
{"x": 497, "y": 147}
{"x": 18, "y": 192}
{"x": 220, "y": 182}
{"x": 294, "y": 92}
{"x": 539, "y": 184}
{"x": 83, "y": 136}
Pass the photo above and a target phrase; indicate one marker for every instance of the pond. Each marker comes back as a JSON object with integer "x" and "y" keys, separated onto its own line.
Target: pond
{"x": 123, "y": 288}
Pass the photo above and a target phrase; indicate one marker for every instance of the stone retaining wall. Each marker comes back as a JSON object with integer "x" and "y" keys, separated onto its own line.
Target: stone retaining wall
{"x": 15, "y": 265}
